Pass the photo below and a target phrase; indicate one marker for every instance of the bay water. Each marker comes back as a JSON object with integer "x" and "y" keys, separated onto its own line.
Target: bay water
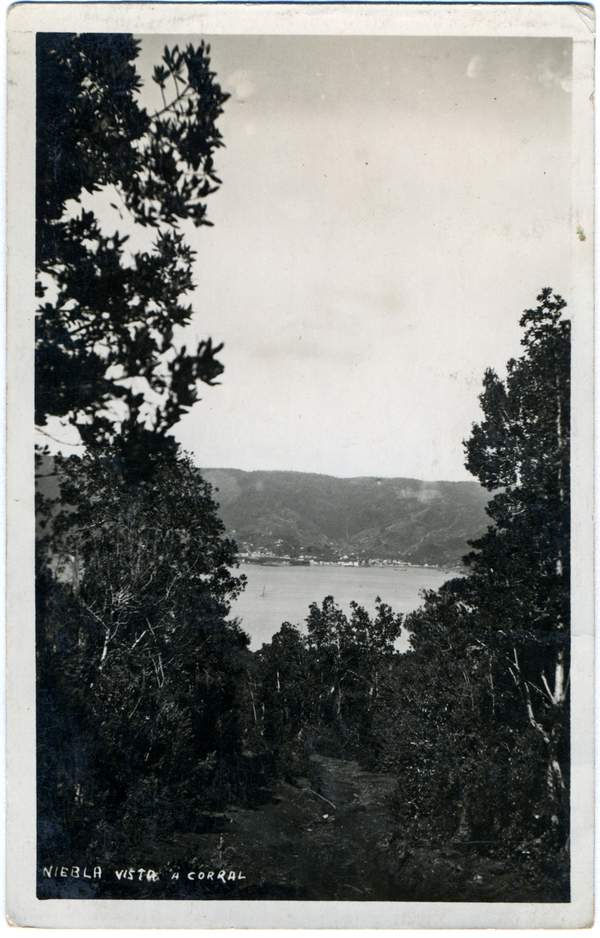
{"x": 277, "y": 594}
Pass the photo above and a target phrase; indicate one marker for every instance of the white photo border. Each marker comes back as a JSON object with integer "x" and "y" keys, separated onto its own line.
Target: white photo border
{"x": 24, "y": 20}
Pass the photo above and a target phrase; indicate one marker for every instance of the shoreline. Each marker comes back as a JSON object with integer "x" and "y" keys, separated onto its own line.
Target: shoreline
{"x": 399, "y": 565}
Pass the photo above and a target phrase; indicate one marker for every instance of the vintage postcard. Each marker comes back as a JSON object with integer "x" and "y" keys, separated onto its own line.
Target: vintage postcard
{"x": 300, "y": 465}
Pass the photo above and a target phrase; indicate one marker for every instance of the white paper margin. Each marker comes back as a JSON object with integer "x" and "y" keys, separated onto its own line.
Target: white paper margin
{"x": 23, "y": 908}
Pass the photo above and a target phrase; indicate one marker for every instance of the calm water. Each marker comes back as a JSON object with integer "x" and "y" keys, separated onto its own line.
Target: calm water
{"x": 275, "y": 595}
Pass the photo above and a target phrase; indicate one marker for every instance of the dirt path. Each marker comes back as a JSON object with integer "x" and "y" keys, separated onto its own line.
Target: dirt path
{"x": 322, "y": 838}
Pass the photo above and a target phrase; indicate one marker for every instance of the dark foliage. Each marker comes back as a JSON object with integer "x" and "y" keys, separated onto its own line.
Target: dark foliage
{"x": 106, "y": 357}
{"x": 484, "y": 698}
{"x": 316, "y": 693}
{"x": 138, "y": 667}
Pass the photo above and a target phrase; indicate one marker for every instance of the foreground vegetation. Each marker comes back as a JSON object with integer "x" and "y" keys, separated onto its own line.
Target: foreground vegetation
{"x": 473, "y": 723}
{"x": 154, "y": 715}
{"x": 163, "y": 742}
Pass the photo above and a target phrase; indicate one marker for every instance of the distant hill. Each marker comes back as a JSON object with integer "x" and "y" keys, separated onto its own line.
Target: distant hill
{"x": 303, "y": 514}
{"x": 297, "y": 513}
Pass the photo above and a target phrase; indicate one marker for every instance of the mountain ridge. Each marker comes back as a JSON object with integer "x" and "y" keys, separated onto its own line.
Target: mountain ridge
{"x": 364, "y": 518}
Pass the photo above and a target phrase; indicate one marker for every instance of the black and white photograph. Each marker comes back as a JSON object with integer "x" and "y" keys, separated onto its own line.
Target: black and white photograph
{"x": 304, "y": 421}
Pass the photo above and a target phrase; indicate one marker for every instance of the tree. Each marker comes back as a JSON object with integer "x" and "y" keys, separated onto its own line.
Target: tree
{"x": 498, "y": 639}
{"x": 521, "y": 567}
{"x": 283, "y": 707}
{"x": 450, "y": 723}
{"x": 106, "y": 358}
{"x": 347, "y": 657}
{"x": 138, "y": 716}
{"x": 317, "y": 691}
{"x": 137, "y": 662}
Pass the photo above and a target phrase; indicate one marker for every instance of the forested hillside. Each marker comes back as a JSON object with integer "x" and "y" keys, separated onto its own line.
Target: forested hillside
{"x": 364, "y": 518}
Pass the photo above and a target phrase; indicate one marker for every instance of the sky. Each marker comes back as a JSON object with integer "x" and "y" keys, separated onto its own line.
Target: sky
{"x": 389, "y": 207}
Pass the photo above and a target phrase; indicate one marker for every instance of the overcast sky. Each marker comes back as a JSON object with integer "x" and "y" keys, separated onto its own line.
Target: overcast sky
{"x": 389, "y": 207}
